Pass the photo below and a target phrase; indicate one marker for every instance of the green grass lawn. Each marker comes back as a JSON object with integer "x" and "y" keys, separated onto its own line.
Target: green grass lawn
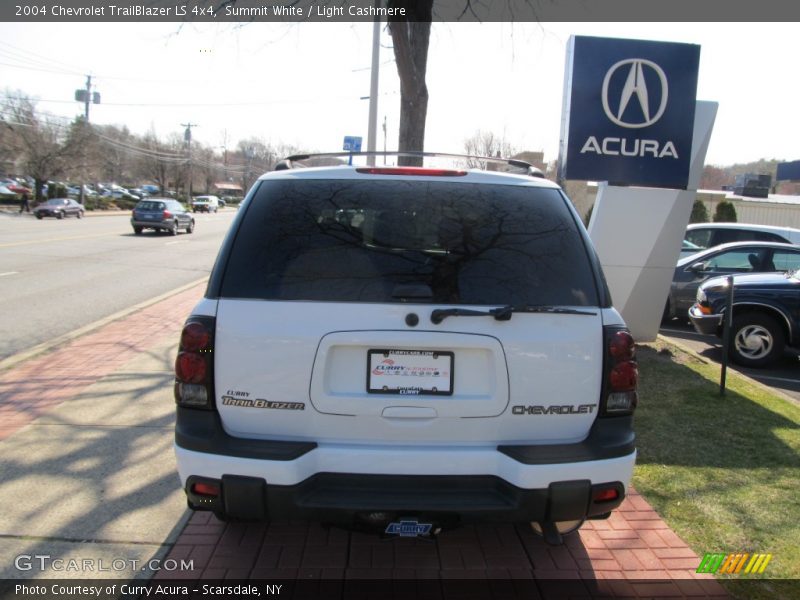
{"x": 723, "y": 471}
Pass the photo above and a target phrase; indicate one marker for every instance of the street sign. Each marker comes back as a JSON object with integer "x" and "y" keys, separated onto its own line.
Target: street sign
{"x": 629, "y": 111}
{"x": 352, "y": 143}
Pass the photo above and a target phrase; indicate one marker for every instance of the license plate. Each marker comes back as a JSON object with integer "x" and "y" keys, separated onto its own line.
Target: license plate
{"x": 410, "y": 372}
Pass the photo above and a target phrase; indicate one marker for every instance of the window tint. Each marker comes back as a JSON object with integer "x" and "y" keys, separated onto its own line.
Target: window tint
{"x": 148, "y": 205}
{"x": 764, "y": 236}
{"x": 389, "y": 241}
{"x": 785, "y": 261}
{"x": 699, "y": 237}
{"x": 736, "y": 261}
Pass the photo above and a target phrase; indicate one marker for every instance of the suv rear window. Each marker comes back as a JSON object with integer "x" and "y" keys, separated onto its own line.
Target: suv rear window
{"x": 392, "y": 240}
{"x": 150, "y": 206}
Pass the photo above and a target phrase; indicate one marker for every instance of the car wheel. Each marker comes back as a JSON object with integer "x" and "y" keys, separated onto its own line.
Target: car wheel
{"x": 39, "y": 216}
{"x": 173, "y": 230}
{"x": 137, "y": 230}
{"x": 80, "y": 214}
{"x": 756, "y": 340}
{"x": 190, "y": 226}
{"x": 59, "y": 215}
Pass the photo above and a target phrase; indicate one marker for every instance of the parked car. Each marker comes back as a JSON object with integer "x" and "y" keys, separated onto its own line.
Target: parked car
{"x": 75, "y": 191}
{"x": 406, "y": 349}
{"x": 161, "y": 214}
{"x": 7, "y": 194}
{"x": 766, "y": 315}
{"x": 16, "y": 187}
{"x": 708, "y": 235}
{"x": 59, "y": 208}
{"x": 150, "y": 189}
{"x": 205, "y": 204}
{"x": 740, "y": 257}
{"x": 121, "y": 194}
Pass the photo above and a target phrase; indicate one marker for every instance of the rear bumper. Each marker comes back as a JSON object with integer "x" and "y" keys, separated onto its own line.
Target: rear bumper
{"x": 339, "y": 483}
{"x": 704, "y": 324}
{"x": 357, "y": 499}
{"x": 152, "y": 224}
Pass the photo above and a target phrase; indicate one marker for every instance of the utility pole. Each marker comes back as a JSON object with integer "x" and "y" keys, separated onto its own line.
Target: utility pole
{"x": 87, "y": 97}
{"x": 384, "y": 139}
{"x": 373, "y": 88}
{"x": 187, "y": 136}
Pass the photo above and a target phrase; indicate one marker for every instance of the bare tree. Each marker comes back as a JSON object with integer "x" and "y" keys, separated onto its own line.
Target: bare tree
{"x": 486, "y": 143}
{"x": 47, "y": 146}
{"x": 411, "y": 35}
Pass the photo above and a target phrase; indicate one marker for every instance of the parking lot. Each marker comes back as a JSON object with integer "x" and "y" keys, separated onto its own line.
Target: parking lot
{"x": 783, "y": 377}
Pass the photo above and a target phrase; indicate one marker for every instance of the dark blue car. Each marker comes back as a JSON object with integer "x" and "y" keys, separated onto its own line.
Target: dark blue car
{"x": 161, "y": 214}
{"x": 766, "y": 315}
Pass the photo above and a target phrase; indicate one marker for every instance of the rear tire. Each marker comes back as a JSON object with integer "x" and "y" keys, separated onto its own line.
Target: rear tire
{"x": 757, "y": 340}
{"x": 137, "y": 230}
{"x": 39, "y": 216}
{"x": 59, "y": 215}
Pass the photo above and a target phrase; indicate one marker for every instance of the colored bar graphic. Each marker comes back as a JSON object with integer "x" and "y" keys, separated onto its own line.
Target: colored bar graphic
{"x": 734, "y": 563}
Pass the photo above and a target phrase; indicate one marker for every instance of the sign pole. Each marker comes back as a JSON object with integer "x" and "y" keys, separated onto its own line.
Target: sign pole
{"x": 727, "y": 325}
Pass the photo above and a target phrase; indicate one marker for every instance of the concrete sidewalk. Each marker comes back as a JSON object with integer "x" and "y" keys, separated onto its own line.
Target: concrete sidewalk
{"x": 88, "y": 473}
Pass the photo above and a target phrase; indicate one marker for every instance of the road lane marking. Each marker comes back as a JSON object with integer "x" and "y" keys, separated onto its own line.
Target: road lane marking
{"x": 175, "y": 242}
{"x": 9, "y": 273}
{"x": 61, "y": 239}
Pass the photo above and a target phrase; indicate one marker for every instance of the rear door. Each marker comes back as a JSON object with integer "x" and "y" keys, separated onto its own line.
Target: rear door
{"x": 324, "y": 327}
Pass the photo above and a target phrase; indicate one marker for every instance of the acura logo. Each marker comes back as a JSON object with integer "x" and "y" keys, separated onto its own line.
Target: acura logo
{"x": 635, "y": 85}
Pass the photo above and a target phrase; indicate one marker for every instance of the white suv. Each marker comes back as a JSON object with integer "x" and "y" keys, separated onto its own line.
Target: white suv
{"x": 406, "y": 349}
{"x": 205, "y": 204}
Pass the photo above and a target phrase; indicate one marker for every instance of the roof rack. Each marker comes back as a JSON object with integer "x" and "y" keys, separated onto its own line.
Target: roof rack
{"x": 295, "y": 161}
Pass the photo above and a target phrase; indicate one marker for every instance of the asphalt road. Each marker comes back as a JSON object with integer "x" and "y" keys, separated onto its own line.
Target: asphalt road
{"x": 59, "y": 275}
{"x": 783, "y": 376}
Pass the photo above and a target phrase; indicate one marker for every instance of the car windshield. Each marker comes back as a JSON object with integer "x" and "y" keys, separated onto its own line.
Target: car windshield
{"x": 386, "y": 241}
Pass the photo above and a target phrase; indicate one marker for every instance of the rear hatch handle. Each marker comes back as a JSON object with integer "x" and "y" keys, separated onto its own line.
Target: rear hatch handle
{"x": 503, "y": 313}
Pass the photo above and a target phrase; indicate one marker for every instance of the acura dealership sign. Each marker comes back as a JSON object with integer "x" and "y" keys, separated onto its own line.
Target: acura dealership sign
{"x": 628, "y": 111}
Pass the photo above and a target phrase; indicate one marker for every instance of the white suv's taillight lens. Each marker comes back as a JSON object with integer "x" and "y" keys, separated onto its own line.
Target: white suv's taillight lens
{"x": 194, "y": 377}
{"x": 621, "y": 373}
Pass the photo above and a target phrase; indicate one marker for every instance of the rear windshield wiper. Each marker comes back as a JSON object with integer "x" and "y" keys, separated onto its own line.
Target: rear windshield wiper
{"x": 503, "y": 313}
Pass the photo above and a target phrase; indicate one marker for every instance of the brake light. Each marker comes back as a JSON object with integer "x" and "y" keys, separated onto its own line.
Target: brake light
{"x": 622, "y": 373}
{"x": 622, "y": 346}
{"x": 205, "y": 489}
{"x": 415, "y": 171}
{"x": 195, "y": 337}
{"x": 190, "y": 367}
{"x": 605, "y": 494}
{"x": 167, "y": 214}
{"x": 194, "y": 378}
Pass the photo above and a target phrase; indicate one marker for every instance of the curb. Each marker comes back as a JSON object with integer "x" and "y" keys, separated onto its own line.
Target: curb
{"x": 20, "y": 357}
{"x": 762, "y": 386}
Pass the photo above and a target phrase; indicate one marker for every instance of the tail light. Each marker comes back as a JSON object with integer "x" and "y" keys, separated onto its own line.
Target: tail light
{"x": 418, "y": 171}
{"x": 621, "y": 377}
{"x": 167, "y": 214}
{"x": 194, "y": 366}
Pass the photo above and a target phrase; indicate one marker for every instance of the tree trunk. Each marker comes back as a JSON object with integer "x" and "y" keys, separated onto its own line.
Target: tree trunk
{"x": 411, "y": 37}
